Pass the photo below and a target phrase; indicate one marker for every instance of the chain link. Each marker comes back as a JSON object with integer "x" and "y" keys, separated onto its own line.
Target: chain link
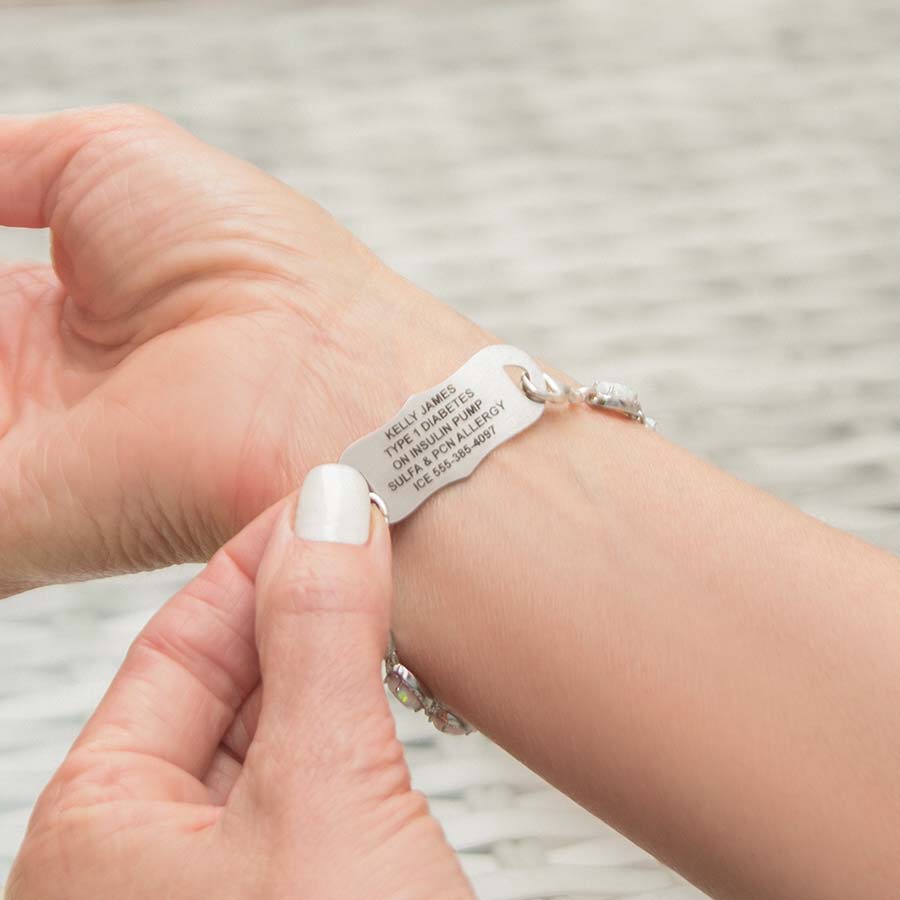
{"x": 413, "y": 694}
{"x": 618, "y": 398}
{"x": 609, "y": 395}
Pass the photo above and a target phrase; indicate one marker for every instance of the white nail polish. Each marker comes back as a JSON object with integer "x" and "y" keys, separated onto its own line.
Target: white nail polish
{"x": 334, "y": 505}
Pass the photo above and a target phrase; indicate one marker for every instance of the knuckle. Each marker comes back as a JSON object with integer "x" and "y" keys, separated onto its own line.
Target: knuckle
{"x": 116, "y": 116}
{"x": 102, "y": 128}
{"x": 360, "y": 759}
{"x": 302, "y": 592}
{"x": 308, "y": 584}
{"x": 78, "y": 138}
{"x": 81, "y": 781}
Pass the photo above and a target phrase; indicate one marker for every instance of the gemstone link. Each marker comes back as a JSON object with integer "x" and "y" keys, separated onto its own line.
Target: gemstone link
{"x": 405, "y": 687}
{"x": 409, "y": 691}
{"x": 448, "y": 722}
{"x": 619, "y": 397}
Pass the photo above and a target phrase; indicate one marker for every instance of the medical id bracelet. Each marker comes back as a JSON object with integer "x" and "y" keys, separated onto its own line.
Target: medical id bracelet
{"x": 440, "y": 435}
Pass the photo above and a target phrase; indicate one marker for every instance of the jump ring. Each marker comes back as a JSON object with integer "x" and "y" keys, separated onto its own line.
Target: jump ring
{"x": 555, "y": 394}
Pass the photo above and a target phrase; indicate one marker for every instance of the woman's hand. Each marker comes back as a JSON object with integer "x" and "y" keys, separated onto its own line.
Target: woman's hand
{"x": 204, "y": 336}
{"x": 246, "y": 749}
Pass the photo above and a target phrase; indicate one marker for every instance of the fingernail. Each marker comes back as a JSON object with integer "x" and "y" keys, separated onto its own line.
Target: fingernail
{"x": 334, "y": 505}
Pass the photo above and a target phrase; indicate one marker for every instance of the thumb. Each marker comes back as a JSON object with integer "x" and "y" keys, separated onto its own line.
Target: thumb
{"x": 323, "y": 595}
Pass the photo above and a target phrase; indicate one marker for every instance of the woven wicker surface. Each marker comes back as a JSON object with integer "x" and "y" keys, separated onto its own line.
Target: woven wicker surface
{"x": 700, "y": 199}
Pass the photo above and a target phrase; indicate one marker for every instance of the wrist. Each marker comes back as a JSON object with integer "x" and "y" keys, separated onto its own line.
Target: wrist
{"x": 347, "y": 374}
{"x": 460, "y": 578}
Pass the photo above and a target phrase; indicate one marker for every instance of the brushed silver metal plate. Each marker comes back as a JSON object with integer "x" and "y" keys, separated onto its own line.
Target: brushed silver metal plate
{"x": 440, "y": 435}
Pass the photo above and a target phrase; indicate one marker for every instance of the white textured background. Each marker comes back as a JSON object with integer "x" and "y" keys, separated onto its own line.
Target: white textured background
{"x": 702, "y": 199}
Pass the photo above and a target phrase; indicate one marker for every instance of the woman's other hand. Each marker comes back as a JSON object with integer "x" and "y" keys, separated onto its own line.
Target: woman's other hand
{"x": 204, "y": 336}
{"x": 246, "y": 749}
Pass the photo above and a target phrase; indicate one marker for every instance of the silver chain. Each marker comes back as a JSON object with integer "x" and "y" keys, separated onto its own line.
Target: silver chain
{"x": 599, "y": 395}
{"x": 618, "y": 398}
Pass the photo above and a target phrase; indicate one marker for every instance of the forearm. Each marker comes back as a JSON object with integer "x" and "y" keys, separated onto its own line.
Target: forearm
{"x": 710, "y": 670}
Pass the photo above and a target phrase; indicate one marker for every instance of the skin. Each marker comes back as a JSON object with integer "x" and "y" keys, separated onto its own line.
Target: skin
{"x": 186, "y": 287}
{"x": 705, "y": 667}
{"x": 190, "y": 780}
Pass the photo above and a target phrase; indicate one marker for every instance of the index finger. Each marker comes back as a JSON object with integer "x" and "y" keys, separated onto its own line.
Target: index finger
{"x": 192, "y": 666}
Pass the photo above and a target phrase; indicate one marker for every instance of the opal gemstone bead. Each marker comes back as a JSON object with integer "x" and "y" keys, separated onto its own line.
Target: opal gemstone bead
{"x": 404, "y": 686}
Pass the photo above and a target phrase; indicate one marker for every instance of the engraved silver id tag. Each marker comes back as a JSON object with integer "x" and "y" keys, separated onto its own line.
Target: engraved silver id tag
{"x": 441, "y": 434}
